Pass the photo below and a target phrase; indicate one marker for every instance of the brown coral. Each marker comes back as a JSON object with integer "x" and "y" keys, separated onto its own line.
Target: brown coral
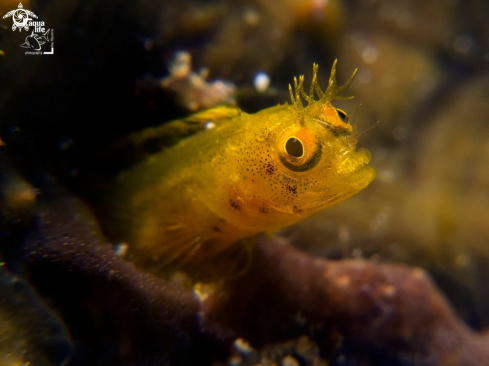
{"x": 286, "y": 292}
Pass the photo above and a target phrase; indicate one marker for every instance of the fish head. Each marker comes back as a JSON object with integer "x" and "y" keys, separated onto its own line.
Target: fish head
{"x": 313, "y": 161}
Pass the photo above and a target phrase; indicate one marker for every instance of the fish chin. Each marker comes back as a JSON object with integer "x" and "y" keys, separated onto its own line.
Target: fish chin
{"x": 363, "y": 174}
{"x": 356, "y": 179}
{"x": 342, "y": 189}
{"x": 359, "y": 180}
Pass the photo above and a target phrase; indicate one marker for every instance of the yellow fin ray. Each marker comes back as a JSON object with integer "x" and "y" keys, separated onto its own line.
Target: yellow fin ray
{"x": 170, "y": 133}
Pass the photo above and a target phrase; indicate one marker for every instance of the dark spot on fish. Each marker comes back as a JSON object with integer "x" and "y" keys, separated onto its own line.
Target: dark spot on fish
{"x": 270, "y": 169}
{"x": 263, "y": 208}
{"x": 217, "y": 228}
{"x": 234, "y": 204}
{"x": 291, "y": 189}
{"x": 297, "y": 209}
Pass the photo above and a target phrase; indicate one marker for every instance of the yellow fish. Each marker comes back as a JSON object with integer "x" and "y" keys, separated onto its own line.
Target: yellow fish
{"x": 249, "y": 174}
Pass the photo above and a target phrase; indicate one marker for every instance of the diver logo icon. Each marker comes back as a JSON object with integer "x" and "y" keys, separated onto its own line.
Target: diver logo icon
{"x": 20, "y": 17}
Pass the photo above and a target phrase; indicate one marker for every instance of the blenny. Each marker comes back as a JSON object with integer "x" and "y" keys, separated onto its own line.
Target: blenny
{"x": 251, "y": 173}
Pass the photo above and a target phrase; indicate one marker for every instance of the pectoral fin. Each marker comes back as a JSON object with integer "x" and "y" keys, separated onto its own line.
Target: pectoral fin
{"x": 180, "y": 247}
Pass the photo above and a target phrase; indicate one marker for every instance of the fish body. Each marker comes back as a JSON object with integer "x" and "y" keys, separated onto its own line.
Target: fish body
{"x": 251, "y": 173}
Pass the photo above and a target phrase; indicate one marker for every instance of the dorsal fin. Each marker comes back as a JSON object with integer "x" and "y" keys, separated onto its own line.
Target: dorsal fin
{"x": 170, "y": 133}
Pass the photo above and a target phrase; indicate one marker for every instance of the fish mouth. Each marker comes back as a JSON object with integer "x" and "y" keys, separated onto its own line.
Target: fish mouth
{"x": 366, "y": 172}
{"x": 361, "y": 174}
{"x": 365, "y": 155}
{"x": 357, "y": 169}
{"x": 357, "y": 162}
{"x": 352, "y": 181}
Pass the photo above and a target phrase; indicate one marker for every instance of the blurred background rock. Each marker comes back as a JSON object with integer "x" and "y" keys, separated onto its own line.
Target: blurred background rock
{"x": 423, "y": 75}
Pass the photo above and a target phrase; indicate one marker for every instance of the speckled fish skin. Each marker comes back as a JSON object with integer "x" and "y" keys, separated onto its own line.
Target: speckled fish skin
{"x": 242, "y": 177}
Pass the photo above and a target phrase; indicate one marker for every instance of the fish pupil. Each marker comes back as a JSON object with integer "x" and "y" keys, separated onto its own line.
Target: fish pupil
{"x": 343, "y": 116}
{"x": 294, "y": 147}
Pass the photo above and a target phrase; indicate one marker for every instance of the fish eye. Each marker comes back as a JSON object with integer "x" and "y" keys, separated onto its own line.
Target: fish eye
{"x": 298, "y": 149}
{"x": 294, "y": 147}
{"x": 342, "y": 114}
